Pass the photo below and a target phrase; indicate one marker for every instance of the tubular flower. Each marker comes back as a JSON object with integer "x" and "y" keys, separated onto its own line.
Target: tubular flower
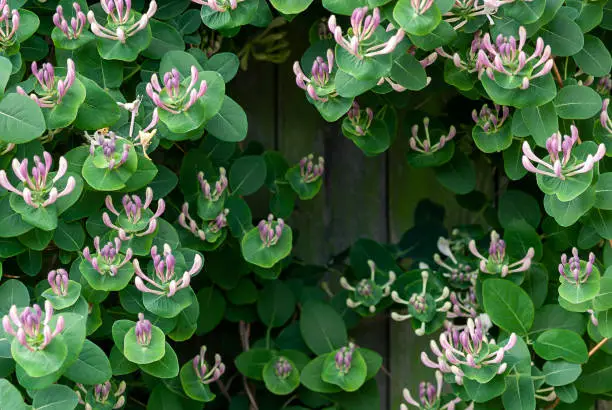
{"x": 458, "y": 273}
{"x": 71, "y": 30}
{"x": 488, "y": 120}
{"x": 422, "y": 306}
{"x": 507, "y": 58}
{"x": 50, "y": 90}
{"x": 121, "y": 20}
{"x": 175, "y": 97}
{"x": 318, "y": 84}
{"x": 32, "y": 332}
{"x": 429, "y": 396}
{"x": 344, "y": 358}
{"x": 219, "y": 5}
{"x": 282, "y": 368}
{"x": 38, "y": 189}
{"x": 6, "y": 147}
{"x": 9, "y": 24}
{"x": 604, "y": 118}
{"x": 205, "y": 373}
{"x": 136, "y": 219}
{"x": 210, "y": 231}
{"x": 425, "y": 146}
{"x": 58, "y": 280}
{"x": 166, "y": 272}
{"x": 270, "y": 232}
{"x": 368, "y": 292}
{"x": 360, "y": 123}
{"x": 145, "y": 136}
{"x": 465, "y": 10}
{"x": 108, "y": 259}
{"x": 102, "y": 394}
{"x": 469, "y": 348}
{"x": 470, "y": 62}
{"x": 114, "y": 149}
{"x": 604, "y": 85}
{"x": 421, "y": 6}
{"x": 220, "y": 186}
{"x": 498, "y": 261}
{"x": 574, "y": 270}
{"x": 361, "y": 40}
{"x": 143, "y": 330}
{"x": 309, "y": 171}
{"x": 561, "y": 166}
{"x": 464, "y": 304}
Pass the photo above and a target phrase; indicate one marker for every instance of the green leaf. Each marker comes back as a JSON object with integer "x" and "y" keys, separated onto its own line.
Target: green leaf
{"x": 310, "y": 377}
{"x": 40, "y": 363}
{"x": 139, "y": 354}
{"x": 350, "y": 381}
{"x": 541, "y": 122}
{"x": 583, "y": 293}
{"x": 322, "y": 328}
{"x": 482, "y": 392}
{"x": 193, "y": 386}
{"x": 213, "y": 304}
{"x": 568, "y": 213}
{"x": 254, "y": 250}
{"x": 525, "y": 12}
{"x": 291, "y": 6}
{"x": 252, "y": 362}
{"x": 128, "y": 51}
{"x": 21, "y": 119}
{"x": 5, "y": 73}
{"x": 508, "y": 305}
{"x": 458, "y": 175}
{"x": 594, "y": 58}
{"x": 226, "y": 64}
{"x": 541, "y": 91}
{"x": 276, "y": 304}
{"x": 408, "y": 72}
{"x": 520, "y": 392}
{"x": 277, "y": 385}
{"x": 518, "y": 206}
{"x": 69, "y": 236}
{"x": 56, "y": 397}
{"x": 414, "y": 23}
{"x": 165, "y": 38}
{"x": 559, "y": 373}
{"x": 99, "y": 109}
{"x": 603, "y": 191}
{"x": 165, "y": 368}
{"x": 563, "y": 36}
{"x": 494, "y": 141}
{"x": 577, "y": 102}
{"x": 92, "y": 366}
{"x": 13, "y": 292}
{"x": 11, "y": 398}
{"x": 561, "y": 344}
{"x": 596, "y": 377}
{"x": 64, "y": 302}
{"x": 230, "y": 123}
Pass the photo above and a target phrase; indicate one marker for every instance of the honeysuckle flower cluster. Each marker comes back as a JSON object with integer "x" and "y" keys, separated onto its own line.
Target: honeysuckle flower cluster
{"x": 6, "y": 147}
{"x": 173, "y": 97}
{"x": 421, "y": 6}
{"x": 317, "y": 85}
{"x": 508, "y": 58}
{"x": 108, "y": 259}
{"x": 498, "y": 261}
{"x": 74, "y": 29}
{"x": 58, "y": 280}
{"x": 344, "y": 358}
{"x": 367, "y": 292}
{"x": 361, "y": 120}
{"x": 145, "y": 135}
{"x": 270, "y": 232}
{"x": 429, "y": 396}
{"x": 604, "y": 85}
{"x": 186, "y": 221}
{"x": 108, "y": 143}
{"x": 604, "y": 117}
{"x": 309, "y": 171}
{"x": 102, "y": 394}
{"x": 464, "y": 304}
{"x": 465, "y": 10}
{"x": 9, "y": 24}
{"x": 33, "y": 332}
{"x": 471, "y": 348}
{"x": 38, "y": 189}
{"x": 457, "y": 272}
{"x": 425, "y": 146}
{"x": 165, "y": 282}
{"x": 282, "y": 368}
{"x": 205, "y": 373}
{"x": 219, "y": 5}
{"x": 52, "y": 89}
{"x": 489, "y": 120}
{"x": 220, "y": 186}
{"x": 561, "y": 166}
{"x": 470, "y": 62}
{"x": 121, "y": 20}
{"x": 135, "y": 212}
{"x": 575, "y": 271}
{"x": 143, "y": 330}
{"x": 360, "y": 39}
{"x": 422, "y": 306}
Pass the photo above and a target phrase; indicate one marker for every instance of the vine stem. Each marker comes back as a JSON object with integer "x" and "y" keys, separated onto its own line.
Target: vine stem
{"x": 557, "y": 74}
{"x": 598, "y": 346}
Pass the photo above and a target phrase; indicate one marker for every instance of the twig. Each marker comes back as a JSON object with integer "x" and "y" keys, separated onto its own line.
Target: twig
{"x": 557, "y": 75}
{"x": 554, "y": 404}
{"x": 223, "y": 389}
{"x": 249, "y": 394}
{"x": 598, "y": 346}
{"x": 385, "y": 371}
{"x": 137, "y": 402}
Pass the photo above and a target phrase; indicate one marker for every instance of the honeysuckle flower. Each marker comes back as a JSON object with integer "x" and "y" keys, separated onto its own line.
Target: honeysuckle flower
{"x": 143, "y": 330}
{"x": 220, "y": 186}
{"x": 498, "y": 261}
{"x": 282, "y": 368}
{"x": 368, "y": 292}
{"x": 269, "y": 232}
{"x": 205, "y": 373}
{"x": 219, "y": 5}
{"x": 211, "y": 42}
{"x": 469, "y": 62}
{"x": 71, "y": 30}
{"x": 561, "y": 166}
{"x": 593, "y": 317}
{"x": 145, "y": 135}
{"x": 134, "y": 211}
{"x": 38, "y": 189}
{"x": 429, "y": 396}
{"x": 58, "y": 280}
{"x": 546, "y": 394}
{"x": 465, "y": 10}
{"x": 9, "y": 24}
{"x": 108, "y": 259}
{"x": 317, "y": 85}
{"x": 508, "y": 58}
{"x": 360, "y": 40}
{"x": 471, "y": 348}
{"x": 174, "y": 97}
{"x": 425, "y": 146}
{"x": 604, "y": 85}
{"x": 344, "y": 358}
{"x": 604, "y": 118}
{"x": 121, "y": 23}
{"x": 52, "y": 89}
{"x": 165, "y": 282}
{"x": 395, "y": 86}
{"x": 457, "y": 272}
{"x": 360, "y": 122}
{"x": 575, "y": 271}
{"x": 33, "y": 332}
{"x": 187, "y": 222}
{"x": 309, "y": 171}
{"x": 323, "y": 30}
{"x": 488, "y": 120}
{"x": 6, "y": 147}
{"x": 108, "y": 141}
{"x": 102, "y": 394}
{"x": 464, "y": 304}
{"x": 421, "y": 6}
